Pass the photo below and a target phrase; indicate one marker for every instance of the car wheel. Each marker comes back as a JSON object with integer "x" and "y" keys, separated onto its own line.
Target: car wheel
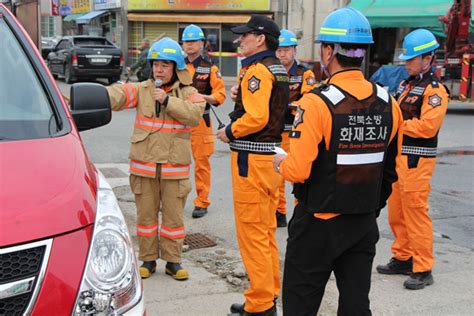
{"x": 67, "y": 74}
{"x": 113, "y": 80}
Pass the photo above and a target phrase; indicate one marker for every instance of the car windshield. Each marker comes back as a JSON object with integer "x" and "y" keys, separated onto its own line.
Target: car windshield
{"x": 25, "y": 110}
{"x": 92, "y": 42}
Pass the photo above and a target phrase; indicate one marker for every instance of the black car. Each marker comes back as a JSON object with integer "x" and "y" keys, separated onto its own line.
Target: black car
{"x": 86, "y": 57}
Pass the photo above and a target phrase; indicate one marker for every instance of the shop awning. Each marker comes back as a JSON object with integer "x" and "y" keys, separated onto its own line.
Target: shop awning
{"x": 72, "y": 17}
{"x": 86, "y": 18}
{"x": 403, "y": 13}
{"x": 191, "y": 18}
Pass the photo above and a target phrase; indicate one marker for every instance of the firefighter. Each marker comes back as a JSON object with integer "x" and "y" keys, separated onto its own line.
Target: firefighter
{"x": 424, "y": 101}
{"x": 208, "y": 81}
{"x": 160, "y": 154}
{"x": 255, "y": 129}
{"x": 302, "y": 80}
{"x": 344, "y": 143}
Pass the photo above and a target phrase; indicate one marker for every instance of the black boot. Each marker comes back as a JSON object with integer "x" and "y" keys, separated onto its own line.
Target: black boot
{"x": 396, "y": 266}
{"x": 281, "y": 219}
{"x": 238, "y": 309}
{"x": 199, "y": 211}
{"x": 418, "y": 280}
{"x": 147, "y": 268}
{"x": 176, "y": 271}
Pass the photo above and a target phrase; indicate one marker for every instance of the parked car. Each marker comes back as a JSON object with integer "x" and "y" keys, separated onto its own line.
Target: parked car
{"x": 47, "y": 44}
{"x": 64, "y": 245}
{"x": 83, "y": 56}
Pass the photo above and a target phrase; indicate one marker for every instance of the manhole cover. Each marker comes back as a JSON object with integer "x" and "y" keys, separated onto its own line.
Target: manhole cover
{"x": 113, "y": 173}
{"x": 198, "y": 240}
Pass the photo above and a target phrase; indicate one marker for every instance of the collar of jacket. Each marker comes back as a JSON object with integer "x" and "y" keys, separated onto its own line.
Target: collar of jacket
{"x": 293, "y": 68}
{"x": 352, "y": 73}
{"x": 194, "y": 62}
{"x": 417, "y": 79}
{"x": 253, "y": 58}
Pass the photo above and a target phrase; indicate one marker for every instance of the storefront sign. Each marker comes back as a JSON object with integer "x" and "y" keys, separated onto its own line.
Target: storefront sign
{"x": 65, "y": 7}
{"x": 106, "y": 4}
{"x": 202, "y": 5}
{"x": 81, "y": 6}
{"x": 50, "y": 7}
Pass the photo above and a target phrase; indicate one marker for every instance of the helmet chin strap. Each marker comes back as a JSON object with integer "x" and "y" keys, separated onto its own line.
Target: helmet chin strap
{"x": 426, "y": 67}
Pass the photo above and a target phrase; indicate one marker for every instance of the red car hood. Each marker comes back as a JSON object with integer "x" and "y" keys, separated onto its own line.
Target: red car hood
{"x": 47, "y": 187}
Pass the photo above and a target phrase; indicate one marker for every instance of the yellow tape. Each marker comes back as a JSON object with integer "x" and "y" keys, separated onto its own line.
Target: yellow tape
{"x": 332, "y": 31}
{"x": 432, "y": 43}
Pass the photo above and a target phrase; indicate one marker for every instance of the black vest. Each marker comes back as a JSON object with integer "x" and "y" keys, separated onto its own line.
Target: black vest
{"x": 202, "y": 83}
{"x": 277, "y": 105}
{"x": 347, "y": 179}
{"x": 410, "y": 104}
{"x": 296, "y": 84}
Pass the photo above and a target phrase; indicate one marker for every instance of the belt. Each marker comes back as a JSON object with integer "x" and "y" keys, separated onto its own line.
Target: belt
{"x": 419, "y": 151}
{"x": 253, "y": 147}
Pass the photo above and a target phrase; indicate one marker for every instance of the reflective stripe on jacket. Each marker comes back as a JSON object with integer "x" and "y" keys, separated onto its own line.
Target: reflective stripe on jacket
{"x": 164, "y": 139}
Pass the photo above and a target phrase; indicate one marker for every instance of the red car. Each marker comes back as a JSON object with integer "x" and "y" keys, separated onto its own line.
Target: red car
{"x": 64, "y": 245}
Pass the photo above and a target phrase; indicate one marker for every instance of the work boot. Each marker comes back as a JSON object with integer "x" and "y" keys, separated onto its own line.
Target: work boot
{"x": 281, "y": 219}
{"x": 199, "y": 211}
{"x": 147, "y": 268}
{"x": 238, "y": 309}
{"x": 418, "y": 280}
{"x": 176, "y": 271}
{"x": 396, "y": 266}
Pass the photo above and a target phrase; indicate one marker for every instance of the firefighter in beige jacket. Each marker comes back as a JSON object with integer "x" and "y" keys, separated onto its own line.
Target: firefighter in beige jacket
{"x": 167, "y": 107}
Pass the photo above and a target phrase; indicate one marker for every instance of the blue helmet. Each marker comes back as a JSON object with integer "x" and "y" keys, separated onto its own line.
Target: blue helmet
{"x": 417, "y": 43}
{"x": 345, "y": 25}
{"x": 167, "y": 49}
{"x": 192, "y": 33}
{"x": 287, "y": 38}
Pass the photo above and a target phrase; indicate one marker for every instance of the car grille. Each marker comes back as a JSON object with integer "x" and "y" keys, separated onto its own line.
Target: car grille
{"x": 21, "y": 273}
{"x": 14, "y": 305}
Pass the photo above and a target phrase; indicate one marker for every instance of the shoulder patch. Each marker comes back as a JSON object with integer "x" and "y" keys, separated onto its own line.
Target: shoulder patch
{"x": 310, "y": 81}
{"x": 434, "y": 100}
{"x": 253, "y": 84}
{"x": 298, "y": 117}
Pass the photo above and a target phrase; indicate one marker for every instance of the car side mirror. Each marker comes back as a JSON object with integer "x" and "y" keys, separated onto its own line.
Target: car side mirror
{"x": 90, "y": 105}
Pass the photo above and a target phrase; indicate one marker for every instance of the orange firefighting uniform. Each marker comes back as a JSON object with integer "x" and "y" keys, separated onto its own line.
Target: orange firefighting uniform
{"x": 424, "y": 103}
{"x": 302, "y": 80}
{"x": 257, "y": 123}
{"x": 332, "y": 242}
{"x": 207, "y": 80}
{"x": 160, "y": 159}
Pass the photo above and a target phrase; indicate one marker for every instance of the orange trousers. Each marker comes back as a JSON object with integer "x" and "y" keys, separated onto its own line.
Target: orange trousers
{"x": 255, "y": 190}
{"x": 202, "y": 144}
{"x": 408, "y": 213}
{"x": 281, "y": 208}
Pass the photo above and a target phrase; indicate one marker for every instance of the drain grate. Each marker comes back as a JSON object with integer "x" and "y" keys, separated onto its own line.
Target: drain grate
{"x": 198, "y": 240}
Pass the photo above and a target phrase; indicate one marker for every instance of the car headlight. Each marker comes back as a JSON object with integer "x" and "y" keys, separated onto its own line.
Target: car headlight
{"x": 111, "y": 284}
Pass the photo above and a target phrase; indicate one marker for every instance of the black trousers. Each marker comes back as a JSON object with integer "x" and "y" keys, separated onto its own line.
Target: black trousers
{"x": 316, "y": 247}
